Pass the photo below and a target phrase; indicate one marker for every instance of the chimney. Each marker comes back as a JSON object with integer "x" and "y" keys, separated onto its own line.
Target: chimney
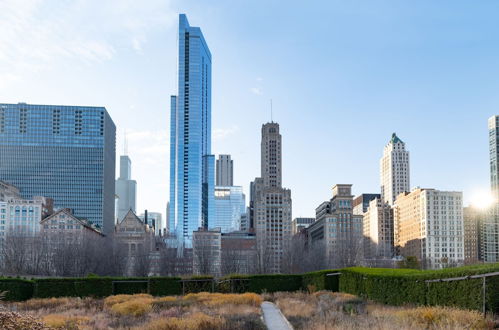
{"x": 145, "y": 217}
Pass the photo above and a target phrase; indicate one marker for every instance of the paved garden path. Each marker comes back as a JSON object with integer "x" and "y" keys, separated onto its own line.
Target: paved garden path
{"x": 273, "y": 318}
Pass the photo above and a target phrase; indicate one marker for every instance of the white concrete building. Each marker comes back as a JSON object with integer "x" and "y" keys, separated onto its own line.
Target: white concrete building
{"x": 429, "y": 225}
{"x": 394, "y": 170}
{"x": 378, "y": 229}
{"x": 19, "y": 216}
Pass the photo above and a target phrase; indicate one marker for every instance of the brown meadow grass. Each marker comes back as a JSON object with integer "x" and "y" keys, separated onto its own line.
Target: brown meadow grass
{"x": 206, "y": 311}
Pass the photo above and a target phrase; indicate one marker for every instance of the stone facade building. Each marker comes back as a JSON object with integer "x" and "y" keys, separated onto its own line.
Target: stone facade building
{"x": 271, "y": 204}
{"x": 429, "y": 225}
{"x": 394, "y": 170}
{"x": 338, "y": 229}
{"x": 136, "y": 240}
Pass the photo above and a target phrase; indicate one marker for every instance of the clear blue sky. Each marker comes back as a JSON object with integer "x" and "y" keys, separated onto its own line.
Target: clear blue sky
{"x": 343, "y": 75}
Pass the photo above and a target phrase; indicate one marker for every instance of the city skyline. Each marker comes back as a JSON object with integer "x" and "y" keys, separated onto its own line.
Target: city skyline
{"x": 430, "y": 104}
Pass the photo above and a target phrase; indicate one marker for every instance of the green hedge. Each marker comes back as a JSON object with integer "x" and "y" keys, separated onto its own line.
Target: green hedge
{"x": 389, "y": 286}
{"x": 105, "y": 286}
{"x": 17, "y": 289}
{"x": 320, "y": 281}
{"x": 267, "y": 283}
{"x": 199, "y": 284}
{"x": 165, "y": 286}
{"x": 407, "y": 286}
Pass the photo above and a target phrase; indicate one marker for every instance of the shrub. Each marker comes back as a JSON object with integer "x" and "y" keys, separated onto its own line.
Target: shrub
{"x": 16, "y": 289}
{"x": 138, "y": 306}
{"x": 59, "y": 321}
{"x": 16, "y": 321}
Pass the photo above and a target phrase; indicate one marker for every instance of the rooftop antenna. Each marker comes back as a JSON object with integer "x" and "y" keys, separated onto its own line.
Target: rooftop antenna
{"x": 125, "y": 146}
{"x": 271, "y": 114}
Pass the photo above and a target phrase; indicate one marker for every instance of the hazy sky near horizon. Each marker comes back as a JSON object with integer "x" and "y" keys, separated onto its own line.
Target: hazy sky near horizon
{"x": 343, "y": 75}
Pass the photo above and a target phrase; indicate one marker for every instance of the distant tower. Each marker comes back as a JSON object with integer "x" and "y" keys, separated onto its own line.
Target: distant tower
{"x": 490, "y": 226}
{"x": 494, "y": 155}
{"x": 394, "y": 170}
{"x": 225, "y": 171}
{"x": 125, "y": 188}
{"x": 271, "y": 204}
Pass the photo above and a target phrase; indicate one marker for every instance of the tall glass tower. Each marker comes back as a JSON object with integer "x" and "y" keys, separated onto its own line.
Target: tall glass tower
{"x": 192, "y": 167}
{"x": 62, "y": 152}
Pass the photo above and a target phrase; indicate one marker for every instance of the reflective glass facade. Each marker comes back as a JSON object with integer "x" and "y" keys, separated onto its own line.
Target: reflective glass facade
{"x": 230, "y": 205}
{"x": 191, "y": 163}
{"x": 62, "y": 152}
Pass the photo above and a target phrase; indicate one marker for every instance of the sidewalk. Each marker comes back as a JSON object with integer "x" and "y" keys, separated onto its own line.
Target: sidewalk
{"x": 273, "y": 318}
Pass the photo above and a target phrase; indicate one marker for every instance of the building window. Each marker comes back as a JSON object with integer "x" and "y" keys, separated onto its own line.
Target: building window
{"x": 23, "y": 121}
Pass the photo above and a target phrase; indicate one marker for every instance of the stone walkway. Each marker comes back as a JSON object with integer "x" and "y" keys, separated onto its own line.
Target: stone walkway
{"x": 273, "y": 318}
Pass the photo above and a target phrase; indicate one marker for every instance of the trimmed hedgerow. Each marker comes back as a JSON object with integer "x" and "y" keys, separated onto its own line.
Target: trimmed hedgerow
{"x": 405, "y": 286}
{"x": 269, "y": 283}
{"x": 165, "y": 286}
{"x": 320, "y": 281}
{"x": 55, "y": 287}
{"x": 16, "y": 289}
{"x": 198, "y": 284}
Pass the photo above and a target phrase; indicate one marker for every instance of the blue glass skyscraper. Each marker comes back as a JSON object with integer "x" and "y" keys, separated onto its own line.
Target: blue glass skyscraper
{"x": 192, "y": 167}
{"x": 63, "y": 152}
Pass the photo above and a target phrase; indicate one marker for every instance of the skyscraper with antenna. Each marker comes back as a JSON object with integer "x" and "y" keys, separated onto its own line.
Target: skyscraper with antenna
{"x": 126, "y": 188}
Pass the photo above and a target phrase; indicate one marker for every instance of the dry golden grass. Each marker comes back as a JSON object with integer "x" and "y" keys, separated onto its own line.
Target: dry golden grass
{"x": 216, "y": 299}
{"x": 441, "y": 318}
{"x": 49, "y": 303}
{"x": 195, "y": 321}
{"x": 59, "y": 321}
{"x": 331, "y": 310}
{"x": 120, "y": 298}
{"x": 166, "y": 299}
{"x": 133, "y": 307}
{"x": 292, "y": 307}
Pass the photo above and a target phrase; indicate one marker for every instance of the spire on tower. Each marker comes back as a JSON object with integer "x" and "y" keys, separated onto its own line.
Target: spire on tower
{"x": 271, "y": 114}
{"x": 125, "y": 145}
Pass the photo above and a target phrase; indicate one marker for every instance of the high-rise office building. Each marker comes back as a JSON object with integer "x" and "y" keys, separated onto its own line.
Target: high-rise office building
{"x": 428, "y": 224}
{"x": 230, "y": 206}
{"x": 192, "y": 166}
{"x": 272, "y": 203}
{"x": 490, "y": 229}
{"x": 394, "y": 170}
{"x": 66, "y": 153}
{"x": 126, "y": 188}
{"x": 225, "y": 171}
